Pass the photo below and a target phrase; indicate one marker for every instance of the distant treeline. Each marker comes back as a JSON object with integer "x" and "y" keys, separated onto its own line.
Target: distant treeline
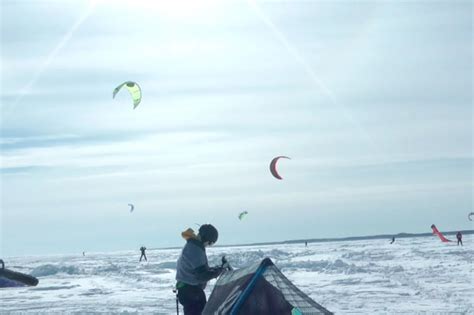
{"x": 351, "y": 238}
{"x": 354, "y": 238}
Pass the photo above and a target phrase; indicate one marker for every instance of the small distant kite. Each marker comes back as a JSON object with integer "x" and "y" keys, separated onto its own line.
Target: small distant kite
{"x": 131, "y": 207}
{"x": 134, "y": 90}
{"x": 273, "y": 166}
{"x": 469, "y": 216}
{"x": 242, "y": 215}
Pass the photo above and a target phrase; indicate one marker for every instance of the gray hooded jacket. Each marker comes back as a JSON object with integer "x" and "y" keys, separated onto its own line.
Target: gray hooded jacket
{"x": 193, "y": 268}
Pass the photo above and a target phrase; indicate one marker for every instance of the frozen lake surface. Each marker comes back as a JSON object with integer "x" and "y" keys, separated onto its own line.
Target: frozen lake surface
{"x": 413, "y": 275}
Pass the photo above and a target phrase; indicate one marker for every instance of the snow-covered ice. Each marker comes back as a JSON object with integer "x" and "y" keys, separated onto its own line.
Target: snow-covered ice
{"x": 413, "y": 275}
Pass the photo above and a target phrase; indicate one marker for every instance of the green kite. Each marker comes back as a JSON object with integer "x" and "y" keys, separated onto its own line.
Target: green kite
{"x": 242, "y": 215}
{"x": 134, "y": 90}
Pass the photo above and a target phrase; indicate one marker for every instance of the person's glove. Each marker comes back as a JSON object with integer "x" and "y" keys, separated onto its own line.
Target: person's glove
{"x": 225, "y": 264}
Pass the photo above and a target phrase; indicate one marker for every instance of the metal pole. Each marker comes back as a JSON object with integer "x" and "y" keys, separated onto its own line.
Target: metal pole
{"x": 177, "y": 302}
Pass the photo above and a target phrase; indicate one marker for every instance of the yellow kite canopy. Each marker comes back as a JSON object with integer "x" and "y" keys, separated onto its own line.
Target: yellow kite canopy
{"x": 134, "y": 90}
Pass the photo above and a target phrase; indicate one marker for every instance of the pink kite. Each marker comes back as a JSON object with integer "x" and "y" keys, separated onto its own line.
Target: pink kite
{"x": 440, "y": 235}
{"x": 273, "y": 169}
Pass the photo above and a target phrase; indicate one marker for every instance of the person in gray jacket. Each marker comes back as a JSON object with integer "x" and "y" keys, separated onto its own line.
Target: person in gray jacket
{"x": 193, "y": 271}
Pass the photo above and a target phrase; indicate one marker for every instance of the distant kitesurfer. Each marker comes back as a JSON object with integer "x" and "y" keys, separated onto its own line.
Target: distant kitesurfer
{"x": 143, "y": 249}
{"x": 193, "y": 271}
{"x": 393, "y": 240}
{"x": 305, "y": 243}
{"x": 83, "y": 253}
{"x": 459, "y": 237}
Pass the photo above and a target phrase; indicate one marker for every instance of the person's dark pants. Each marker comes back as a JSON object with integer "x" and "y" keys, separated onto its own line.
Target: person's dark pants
{"x": 143, "y": 255}
{"x": 192, "y": 298}
{"x": 459, "y": 241}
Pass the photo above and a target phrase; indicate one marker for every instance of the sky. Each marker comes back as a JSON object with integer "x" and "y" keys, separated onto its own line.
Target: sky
{"x": 372, "y": 100}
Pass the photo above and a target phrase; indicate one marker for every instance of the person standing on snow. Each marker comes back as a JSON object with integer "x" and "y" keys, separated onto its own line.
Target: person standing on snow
{"x": 143, "y": 249}
{"x": 193, "y": 271}
{"x": 459, "y": 237}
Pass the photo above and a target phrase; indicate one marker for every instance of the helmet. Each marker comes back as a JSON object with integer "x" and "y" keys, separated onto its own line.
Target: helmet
{"x": 208, "y": 233}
